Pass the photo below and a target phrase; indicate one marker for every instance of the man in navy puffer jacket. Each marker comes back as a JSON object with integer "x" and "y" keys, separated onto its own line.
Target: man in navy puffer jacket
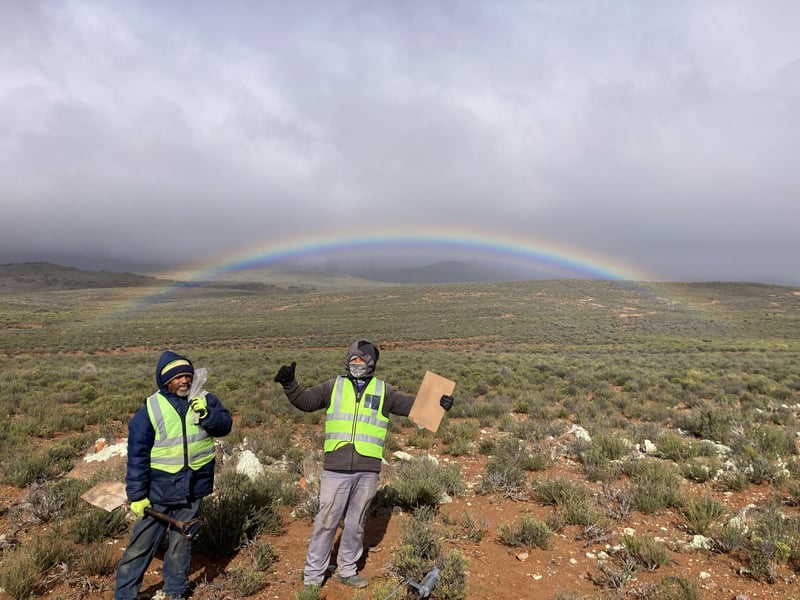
{"x": 170, "y": 468}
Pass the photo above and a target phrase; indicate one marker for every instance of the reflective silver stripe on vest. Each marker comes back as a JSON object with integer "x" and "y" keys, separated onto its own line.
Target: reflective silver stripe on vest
{"x": 205, "y": 453}
{"x": 337, "y": 415}
{"x": 359, "y": 437}
{"x": 163, "y": 441}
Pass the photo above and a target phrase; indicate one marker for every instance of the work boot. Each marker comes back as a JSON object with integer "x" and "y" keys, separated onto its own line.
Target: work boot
{"x": 354, "y": 581}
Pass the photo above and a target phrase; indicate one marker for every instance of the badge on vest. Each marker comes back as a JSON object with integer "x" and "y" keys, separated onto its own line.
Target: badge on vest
{"x": 372, "y": 401}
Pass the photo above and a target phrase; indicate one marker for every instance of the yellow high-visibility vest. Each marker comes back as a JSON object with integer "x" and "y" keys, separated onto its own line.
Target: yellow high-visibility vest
{"x": 171, "y": 450}
{"x": 361, "y": 424}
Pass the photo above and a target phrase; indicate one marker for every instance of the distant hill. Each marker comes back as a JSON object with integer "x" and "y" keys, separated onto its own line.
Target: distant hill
{"x": 44, "y": 276}
{"x": 448, "y": 271}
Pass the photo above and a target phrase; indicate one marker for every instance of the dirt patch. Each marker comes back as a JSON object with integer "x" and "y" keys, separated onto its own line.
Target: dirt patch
{"x": 568, "y": 565}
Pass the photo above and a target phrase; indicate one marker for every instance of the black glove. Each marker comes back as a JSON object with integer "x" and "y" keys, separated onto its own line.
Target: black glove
{"x": 446, "y": 402}
{"x": 285, "y": 374}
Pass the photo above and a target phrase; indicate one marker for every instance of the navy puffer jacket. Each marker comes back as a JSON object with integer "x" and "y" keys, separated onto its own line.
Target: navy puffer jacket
{"x": 170, "y": 488}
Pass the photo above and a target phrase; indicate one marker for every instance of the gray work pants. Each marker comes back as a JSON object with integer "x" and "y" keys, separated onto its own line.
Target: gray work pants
{"x": 345, "y": 495}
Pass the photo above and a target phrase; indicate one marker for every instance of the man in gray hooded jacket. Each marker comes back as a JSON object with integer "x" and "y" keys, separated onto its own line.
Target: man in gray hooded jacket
{"x": 357, "y": 407}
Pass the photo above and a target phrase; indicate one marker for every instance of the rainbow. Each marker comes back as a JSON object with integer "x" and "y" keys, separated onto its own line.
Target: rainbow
{"x": 566, "y": 261}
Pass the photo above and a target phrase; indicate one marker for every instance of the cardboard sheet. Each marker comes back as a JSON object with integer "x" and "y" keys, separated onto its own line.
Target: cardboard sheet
{"x": 426, "y": 411}
{"x": 107, "y": 495}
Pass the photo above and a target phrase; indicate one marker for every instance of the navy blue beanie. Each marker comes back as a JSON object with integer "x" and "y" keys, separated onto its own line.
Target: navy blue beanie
{"x": 178, "y": 366}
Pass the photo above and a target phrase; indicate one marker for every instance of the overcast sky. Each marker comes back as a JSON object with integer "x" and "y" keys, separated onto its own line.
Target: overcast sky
{"x": 664, "y": 135}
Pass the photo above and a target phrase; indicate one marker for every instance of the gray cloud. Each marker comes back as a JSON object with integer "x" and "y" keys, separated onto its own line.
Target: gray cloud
{"x": 659, "y": 134}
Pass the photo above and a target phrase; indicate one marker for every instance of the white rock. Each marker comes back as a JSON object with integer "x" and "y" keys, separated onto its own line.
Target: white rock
{"x": 700, "y": 542}
{"x": 249, "y": 465}
{"x": 580, "y": 433}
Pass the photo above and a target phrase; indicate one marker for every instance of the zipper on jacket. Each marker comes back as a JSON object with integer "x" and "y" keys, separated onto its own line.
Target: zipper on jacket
{"x": 359, "y": 393}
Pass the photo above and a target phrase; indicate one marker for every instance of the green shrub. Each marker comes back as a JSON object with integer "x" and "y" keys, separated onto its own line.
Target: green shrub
{"x": 675, "y": 447}
{"x": 597, "y": 461}
{"x": 421, "y": 482}
{"x": 240, "y": 510}
{"x": 19, "y": 576}
{"x": 616, "y": 571}
{"x": 452, "y": 584}
{"x": 385, "y": 588}
{"x": 700, "y": 513}
{"x": 609, "y": 447}
{"x": 420, "y": 545}
{"x": 571, "y": 499}
{"x": 646, "y": 551}
{"x": 263, "y": 555}
{"x": 310, "y": 592}
{"x": 23, "y": 569}
{"x": 95, "y": 524}
{"x": 421, "y": 438}
{"x": 26, "y": 468}
{"x": 245, "y": 581}
{"x": 558, "y": 491}
{"x": 674, "y": 588}
{"x": 273, "y": 443}
{"x": 618, "y": 502}
{"x": 734, "y": 481}
{"x": 773, "y": 441}
{"x": 528, "y": 532}
{"x": 41, "y": 502}
{"x": 503, "y": 476}
{"x": 472, "y": 529}
{"x": 764, "y": 555}
{"x": 459, "y": 437}
{"x": 770, "y": 541}
{"x": 657, "y": 486}
{"x": 700, "y": 471}
{"x": 96, "y": 559}
{"x": 727, "y": 538}
{"x": 710, "y": 423}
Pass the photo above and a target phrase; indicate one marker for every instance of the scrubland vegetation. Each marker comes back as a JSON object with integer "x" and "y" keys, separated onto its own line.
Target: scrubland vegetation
{"x": 688, "y": 396}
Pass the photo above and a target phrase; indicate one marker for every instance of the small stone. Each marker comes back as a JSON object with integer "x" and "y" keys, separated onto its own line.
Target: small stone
{"x": 522, "y": 556}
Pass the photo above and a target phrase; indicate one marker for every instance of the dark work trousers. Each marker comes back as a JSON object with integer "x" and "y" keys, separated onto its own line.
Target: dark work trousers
{"x": 145, "y": 539}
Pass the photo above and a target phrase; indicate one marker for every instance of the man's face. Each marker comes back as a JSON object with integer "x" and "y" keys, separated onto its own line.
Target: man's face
{"x": 180, "y": 385}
